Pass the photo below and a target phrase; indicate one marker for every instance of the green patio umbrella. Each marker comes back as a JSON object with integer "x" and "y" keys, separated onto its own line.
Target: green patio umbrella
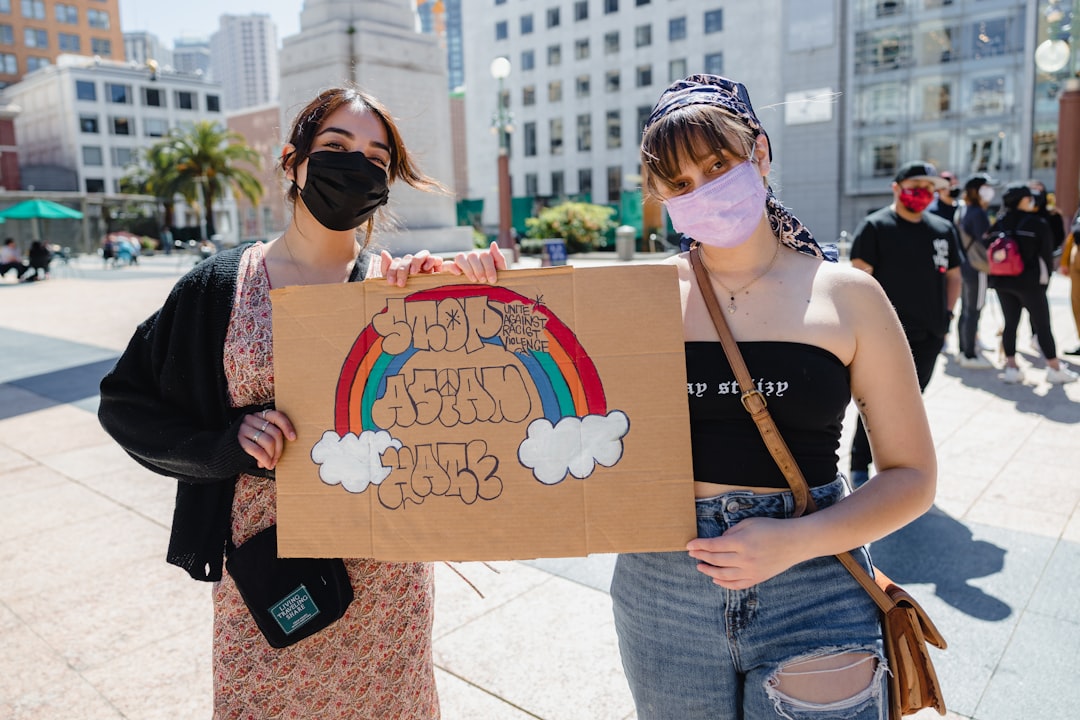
{"x": 37, "y": 208}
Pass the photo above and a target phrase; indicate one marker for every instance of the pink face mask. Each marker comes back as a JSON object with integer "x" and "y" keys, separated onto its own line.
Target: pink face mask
{"x": 722, "y": 213}
{"x": 916, "y": 199}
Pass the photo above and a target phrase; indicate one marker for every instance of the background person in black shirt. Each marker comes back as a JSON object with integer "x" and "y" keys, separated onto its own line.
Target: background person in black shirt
{"x": 915, "y": 257}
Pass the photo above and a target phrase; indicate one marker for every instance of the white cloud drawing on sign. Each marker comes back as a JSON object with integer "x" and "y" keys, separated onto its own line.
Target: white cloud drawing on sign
{"x": 353, "y": 461}
{"x": 573, "y": 445}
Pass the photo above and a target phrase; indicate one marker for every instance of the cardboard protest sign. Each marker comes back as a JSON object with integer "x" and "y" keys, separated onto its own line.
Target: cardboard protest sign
{"x": 544, "y": 416}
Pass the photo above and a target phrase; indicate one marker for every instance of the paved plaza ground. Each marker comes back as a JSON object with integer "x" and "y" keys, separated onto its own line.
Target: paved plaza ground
{"x": 95, "y": 626}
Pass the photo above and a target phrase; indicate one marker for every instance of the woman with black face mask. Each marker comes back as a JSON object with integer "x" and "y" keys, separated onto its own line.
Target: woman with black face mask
{"x": 192, "y": 397}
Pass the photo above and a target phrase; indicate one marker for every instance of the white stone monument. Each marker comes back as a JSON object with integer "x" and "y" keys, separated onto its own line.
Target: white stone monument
{"x": 377, "y": 45}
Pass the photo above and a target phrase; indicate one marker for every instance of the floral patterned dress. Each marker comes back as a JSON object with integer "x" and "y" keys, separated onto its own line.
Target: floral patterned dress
{"x": 375, "y": 662}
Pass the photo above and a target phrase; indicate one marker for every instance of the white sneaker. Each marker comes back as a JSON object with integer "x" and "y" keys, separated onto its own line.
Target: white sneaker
{"x": 981, "y": 346}
{"x": 1064, "y": 375}
{"x": 1012, "y": 375}
{"x": 974, "y": 363}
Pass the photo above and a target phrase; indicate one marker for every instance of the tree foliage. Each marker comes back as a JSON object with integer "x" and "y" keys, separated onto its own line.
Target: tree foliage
{"x": 200, "y": 163}
{"x": 581, "y": 225}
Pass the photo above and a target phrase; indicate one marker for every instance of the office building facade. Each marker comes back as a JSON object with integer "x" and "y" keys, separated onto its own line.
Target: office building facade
{"x": 244, "y": 59}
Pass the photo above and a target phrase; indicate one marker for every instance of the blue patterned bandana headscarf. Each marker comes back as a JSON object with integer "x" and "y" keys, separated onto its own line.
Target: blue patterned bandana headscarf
{"x": 733, "y": 97}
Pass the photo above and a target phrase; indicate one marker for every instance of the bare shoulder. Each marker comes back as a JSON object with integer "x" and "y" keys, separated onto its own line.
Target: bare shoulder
{"x": 852, "y": 290}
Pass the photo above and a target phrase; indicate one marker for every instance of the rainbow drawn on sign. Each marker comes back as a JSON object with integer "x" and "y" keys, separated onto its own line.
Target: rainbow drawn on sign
{"x": 565, "y": 376}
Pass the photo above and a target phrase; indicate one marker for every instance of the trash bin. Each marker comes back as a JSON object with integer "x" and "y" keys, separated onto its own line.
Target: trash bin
{"x": 625, "y": 237}
{"x": 554, "y": 253}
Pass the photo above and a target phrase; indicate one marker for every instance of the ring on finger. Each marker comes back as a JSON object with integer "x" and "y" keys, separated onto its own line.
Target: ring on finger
{"x": 255, "y": 437}
{"x": 263, "y": 428}
{"x": 262, "y": 414}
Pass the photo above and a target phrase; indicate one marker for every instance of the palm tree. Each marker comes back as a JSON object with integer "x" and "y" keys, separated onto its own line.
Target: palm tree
{"x": 154, "y": 173}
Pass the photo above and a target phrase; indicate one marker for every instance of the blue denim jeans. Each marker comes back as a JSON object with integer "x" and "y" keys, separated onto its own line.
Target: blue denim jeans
{"x": 692, "y": 649}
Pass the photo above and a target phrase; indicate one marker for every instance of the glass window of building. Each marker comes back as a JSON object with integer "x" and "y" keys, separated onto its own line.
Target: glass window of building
{"x": 528, "y": 59}
{"x": 100, "y": 46}
{"x": 67, "y": 14}
{"x": 95, "y": 185}
{"x": 532, "y": 187}
{"x": 581, "y": 48}
{"x": 7, "y": 35}
{"x": 36, "y": 63}
{"x": 118, "y": 94}
{"x": 153, "y": 97}
{"x": 584, "y": 132}
{"x": 528, "y": 95}
{"x": 639, "y": 3}
{"x": 581, "y": 10}
{"x": 85, "y": 90}
{"x": 555, "y": 130}
{"x": 213, "y": 103}
{"x": 553, "y": 17}
{"x": 714, "y": 63}
{"x": 554, "y": 54}
{"x": 614, "y": 129}
{"x": 611, "y": 6}
{"x": 881, "y": 103}
{"x": 9, "y": 65}
{"x": 526, "y": 24}
{"x": 122, "y": 125}
{"x": 155, "y": 127}
{"x": 611, "y": 81}
{"x": 528, "y": 137}
{"x": 555, "y": 91}
{"x": 987, "y": 95}
{"x": 644, "y": 75}
{"x": 121, "y": 157}
{"x": 934, "y": 45}
{"x": 581, "y": 86}
{"x": 990, "y": 38}
{"x": 584, "y": 181}
{"x": 643, "y": 36}
{"x": 32, "y": 37}
{"x": 5, "y": 7}
{"x": 33, "y": 9}
{"x": 1044, "y": 146}
{"x": 643, "y": 113}
{"x": 611, "y": 42}
{"x": 883, "y": 157}
{"x": 935, "y": 98}
{"x": 882, "y": 50}
{"x": 676, "y": 29}
{"x": 92, "y": 156}
{"x": 933, "y": 147}
{"x": 714, "y": 21}
{"x": 987, "y": 150}
{"x": 88, "y": 124}
{"x": 185, "y": 100}
{"x": 614, "y": 184}
{"x": 68, "y": 42}
{"x": 558, "y": 183}
{"x": 98, "y": 19}
{"x": 676, "y": 69}
{"x": 502, "y": 31}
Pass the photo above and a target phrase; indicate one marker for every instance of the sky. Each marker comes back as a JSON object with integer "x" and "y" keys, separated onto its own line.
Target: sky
{"x": 170, "y": 19}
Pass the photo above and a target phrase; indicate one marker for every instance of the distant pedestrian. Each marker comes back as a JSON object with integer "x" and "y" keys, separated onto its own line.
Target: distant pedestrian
{"x": 915, "y": 256}
{"x": 40, "y": 257}
{"x": 972, "y": 223}
{"x": 1020, "y": 220}
{"x": 946, "y": 202}
{"x": 1070, "y": 265}
{"x": 11, "y": 259}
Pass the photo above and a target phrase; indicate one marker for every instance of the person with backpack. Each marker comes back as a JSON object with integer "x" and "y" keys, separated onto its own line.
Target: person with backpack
{"x": 1020, "y": 249}
{"x": 972, "y": 222}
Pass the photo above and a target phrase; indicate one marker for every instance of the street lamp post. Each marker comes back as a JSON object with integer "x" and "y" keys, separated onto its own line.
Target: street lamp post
{"x": 501, "y": 124}
{"x": 1054, "y": 55}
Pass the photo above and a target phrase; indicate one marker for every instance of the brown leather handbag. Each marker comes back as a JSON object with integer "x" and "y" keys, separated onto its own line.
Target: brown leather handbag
{"x": 906, "y": 628}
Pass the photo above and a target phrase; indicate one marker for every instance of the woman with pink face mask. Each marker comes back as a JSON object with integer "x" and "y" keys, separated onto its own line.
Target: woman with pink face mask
{"x": 758, "y": 619}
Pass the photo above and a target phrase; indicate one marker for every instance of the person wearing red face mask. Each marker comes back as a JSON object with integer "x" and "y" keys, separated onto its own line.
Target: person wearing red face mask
{"x": 915, "y": 257}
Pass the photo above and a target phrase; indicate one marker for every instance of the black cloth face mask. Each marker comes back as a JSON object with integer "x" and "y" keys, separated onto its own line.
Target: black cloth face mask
{"x": 343, "y": 189}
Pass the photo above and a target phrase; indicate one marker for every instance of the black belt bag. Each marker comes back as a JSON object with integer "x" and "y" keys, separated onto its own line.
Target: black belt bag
{"x": 289, "y": 598}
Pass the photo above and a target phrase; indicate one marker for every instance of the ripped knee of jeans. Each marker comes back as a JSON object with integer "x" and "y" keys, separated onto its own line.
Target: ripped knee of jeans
{"x": 827, "y": 681}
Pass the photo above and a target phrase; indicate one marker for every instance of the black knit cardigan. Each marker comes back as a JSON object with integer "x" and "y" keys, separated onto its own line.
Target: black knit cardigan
{"x": 166, "y": 403}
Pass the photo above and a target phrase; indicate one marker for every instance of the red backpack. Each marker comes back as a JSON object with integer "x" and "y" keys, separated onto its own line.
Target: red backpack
{"x": 1003, "y": 256}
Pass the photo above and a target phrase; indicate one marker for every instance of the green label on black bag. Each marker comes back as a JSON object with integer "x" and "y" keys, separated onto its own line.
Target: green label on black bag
{"x": 294, "y": 610}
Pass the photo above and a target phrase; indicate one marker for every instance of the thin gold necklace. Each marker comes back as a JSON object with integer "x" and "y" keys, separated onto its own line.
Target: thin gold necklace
{"x": 296, "y": 265}
{"x": 732, "y": 293}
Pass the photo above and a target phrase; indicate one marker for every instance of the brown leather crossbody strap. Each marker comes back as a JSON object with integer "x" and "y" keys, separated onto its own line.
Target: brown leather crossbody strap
{"x": 755, "y": 404}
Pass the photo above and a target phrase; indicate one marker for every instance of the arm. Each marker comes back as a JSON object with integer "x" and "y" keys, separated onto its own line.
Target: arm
{"x": 953, "y": 284}
{"x": 864, "y": 248}
{"x": 164, "y": 402}
{"x": 760, "y": 548}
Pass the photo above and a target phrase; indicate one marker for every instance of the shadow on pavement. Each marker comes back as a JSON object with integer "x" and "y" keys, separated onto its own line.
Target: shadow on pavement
{"x": 940, "y": 550}
{"x": 59, "y": 387}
